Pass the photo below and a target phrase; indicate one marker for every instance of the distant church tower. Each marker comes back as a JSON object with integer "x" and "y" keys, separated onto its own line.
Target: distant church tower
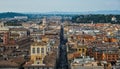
{"x": 62, "y": 60}
{"x": 44, "y": 21}
{"x": 114, "y": 19}
{"x": 6, "y": 38}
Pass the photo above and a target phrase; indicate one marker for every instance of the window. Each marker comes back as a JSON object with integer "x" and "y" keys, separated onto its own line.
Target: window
{"x": 38, "y": 62}
{"x": 38, "y": 58}
{"x": 33, "y": 50}
{"x": 42, "y": 50}
{"x": 48, "y": 49}
{"x": 38, "y": 50}
{"x": 83, "y": 50}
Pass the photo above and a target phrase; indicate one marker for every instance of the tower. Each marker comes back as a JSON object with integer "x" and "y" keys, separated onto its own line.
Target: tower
{"x": 113, "y": 19}
{"x": 6, "y": 38}
{"x": 62, "y": 61}
{"x": 44, "y": 21}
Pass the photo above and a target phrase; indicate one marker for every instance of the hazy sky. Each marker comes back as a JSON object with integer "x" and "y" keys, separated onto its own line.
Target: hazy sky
{"x": 58, "y": 5}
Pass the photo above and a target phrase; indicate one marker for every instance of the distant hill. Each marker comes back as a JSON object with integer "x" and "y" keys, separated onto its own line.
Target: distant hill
{"x": 10, "y": 14}
{"x": 89, "y": 12}
{"x": 37, "y": 14}
{"x": 105, "y": 12}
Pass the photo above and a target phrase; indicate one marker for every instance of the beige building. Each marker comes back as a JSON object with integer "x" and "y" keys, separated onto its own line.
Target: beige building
{"x": 3, "y": 28}
{"x": 38, "y": 52}
{"x": 85, "y": 63}
{"x": 18, "y": 32}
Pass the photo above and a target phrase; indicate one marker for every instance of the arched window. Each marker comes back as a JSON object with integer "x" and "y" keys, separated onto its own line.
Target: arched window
{"x": 83, "y": 50}
{"x": 38, "y": 50}
{"x": 79, "y": 49}
{"x": 42, "y": 50}
{"x": 33, "y": 50}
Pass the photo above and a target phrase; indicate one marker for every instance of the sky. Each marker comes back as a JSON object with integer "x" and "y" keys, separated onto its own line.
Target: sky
{"x": 58, "y": 5}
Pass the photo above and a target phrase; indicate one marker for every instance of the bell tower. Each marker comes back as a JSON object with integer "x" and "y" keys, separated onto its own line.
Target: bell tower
{"x": 62, "y": 60}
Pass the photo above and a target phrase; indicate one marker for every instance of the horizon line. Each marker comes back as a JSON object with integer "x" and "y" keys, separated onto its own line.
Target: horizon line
{"x": 56, "y": 11}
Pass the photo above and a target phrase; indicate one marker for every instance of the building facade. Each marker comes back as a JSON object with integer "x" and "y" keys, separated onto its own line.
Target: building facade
{"x": 38, "y": 52}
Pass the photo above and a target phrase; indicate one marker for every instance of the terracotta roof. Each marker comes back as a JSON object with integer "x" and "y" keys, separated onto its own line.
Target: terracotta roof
{"x": 14, "y": 34}
{"x": 18, "y": 29}
{"x": 39, "y": 43}
{"x": 7, "y": 63}
{"x": 18, "y": 60}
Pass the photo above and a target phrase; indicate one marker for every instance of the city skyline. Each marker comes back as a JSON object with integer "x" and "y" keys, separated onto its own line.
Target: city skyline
{"x": 58, "y": 5}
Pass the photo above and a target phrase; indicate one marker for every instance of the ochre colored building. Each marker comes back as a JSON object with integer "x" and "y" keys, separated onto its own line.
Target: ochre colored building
{"x": 82, "y": 50}
{"x": 38, "y": 52}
